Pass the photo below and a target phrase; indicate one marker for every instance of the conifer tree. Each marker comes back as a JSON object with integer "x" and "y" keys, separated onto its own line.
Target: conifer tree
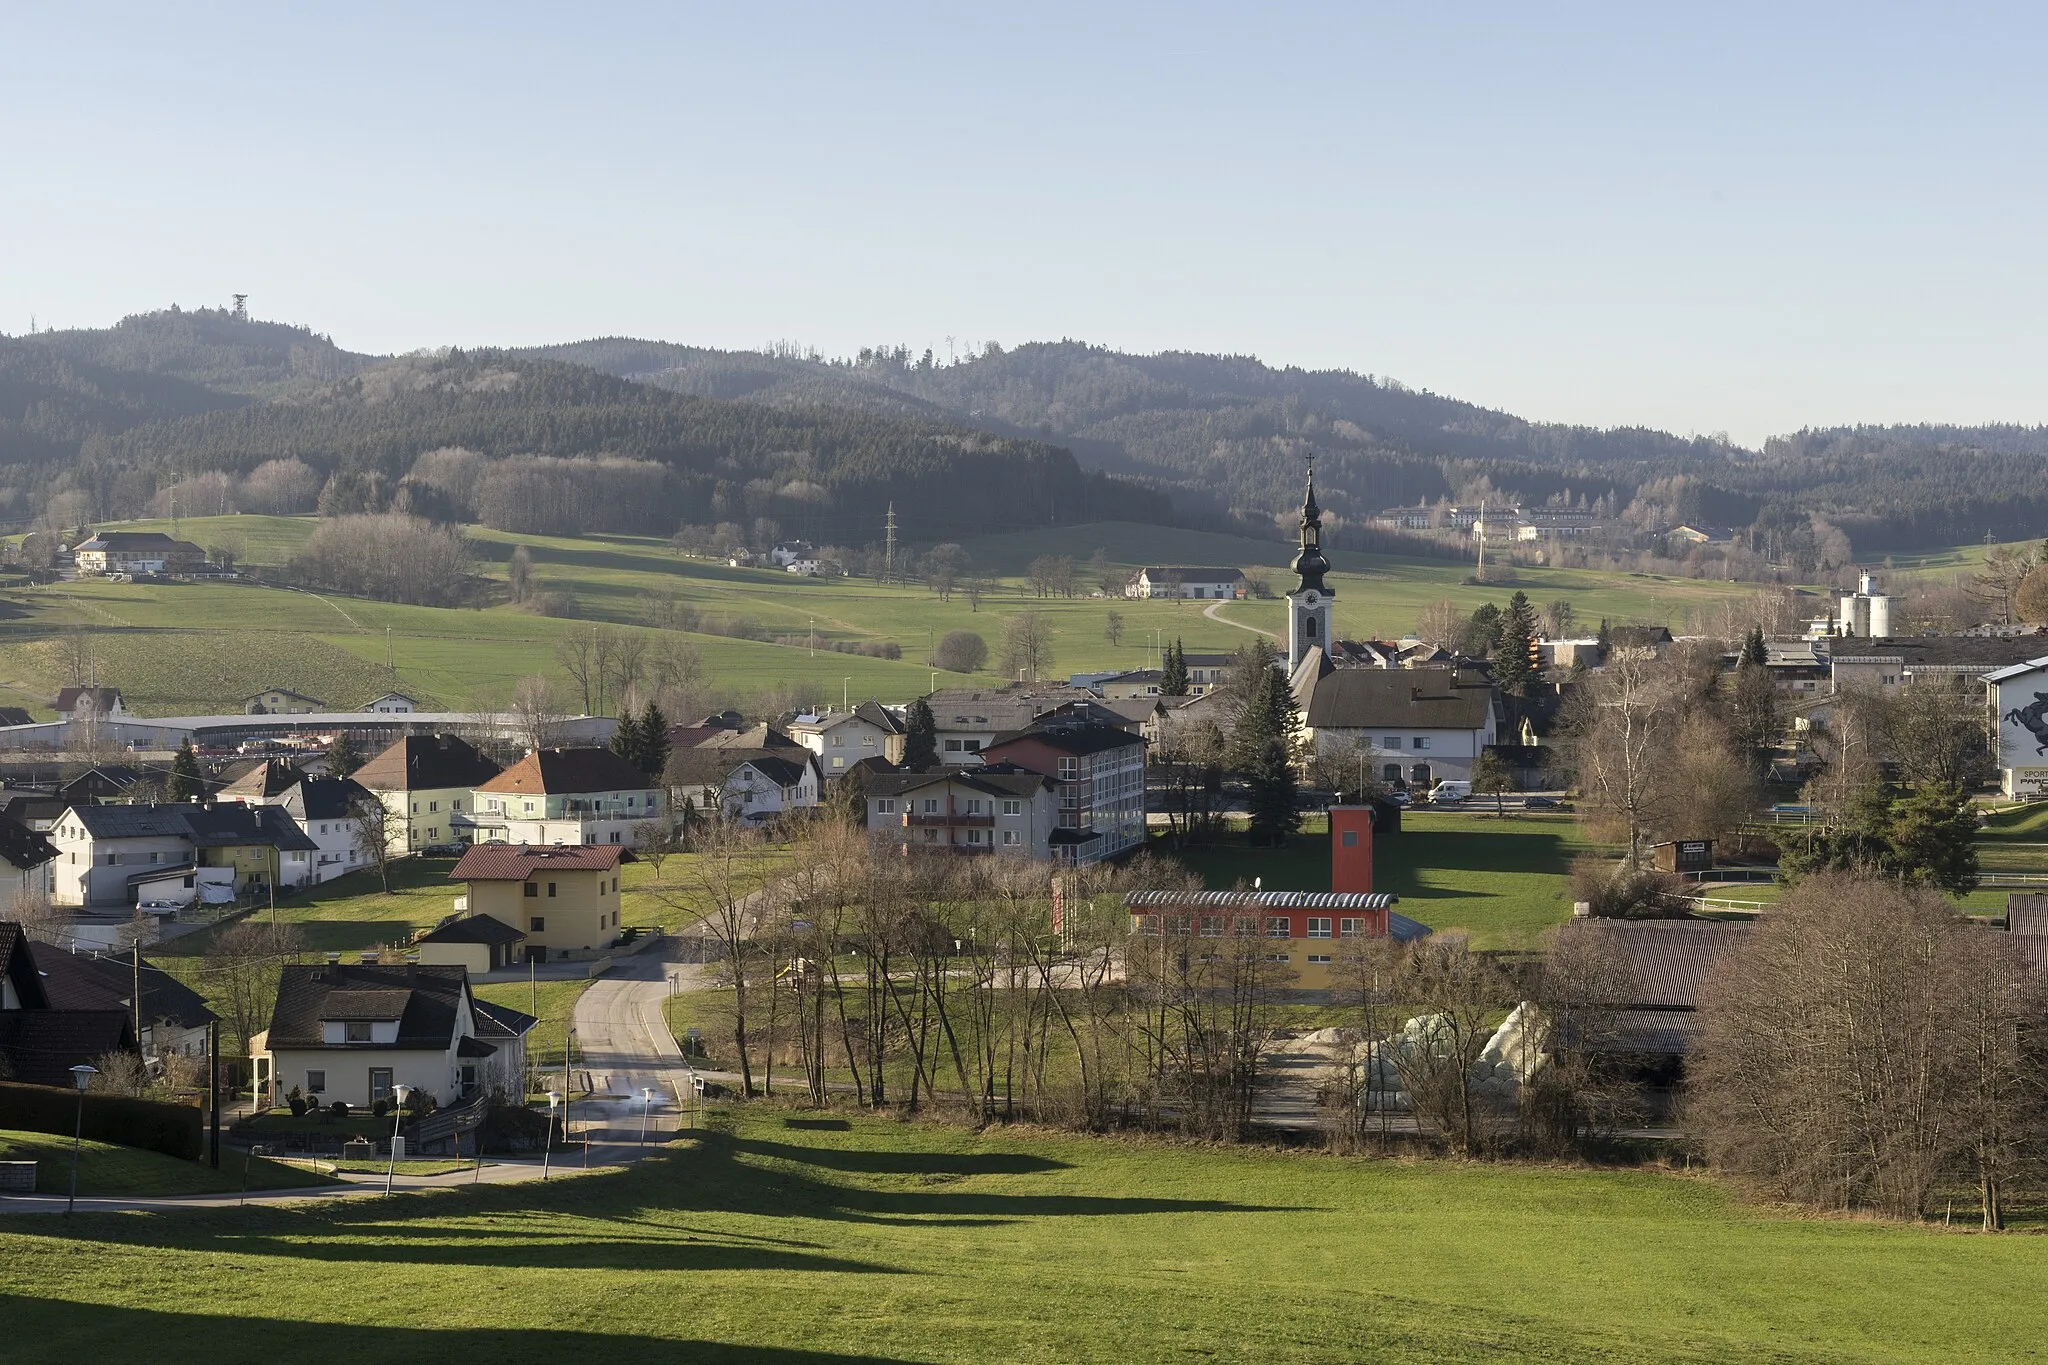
{"x": 1173, "y": 672}
{"x": 626, "y": 740}
{"x": 920, "y": 737}
{"x": 653, "y": 741}
{"x": 186, "y": 784}
{"x": 1512, "y": 668}
{"x": 342, "y": 758}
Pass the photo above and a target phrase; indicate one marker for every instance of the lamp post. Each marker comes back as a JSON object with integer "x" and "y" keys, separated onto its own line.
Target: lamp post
{"x": 646, "y": 1107}
{"x": 547, "y": 1148}
{"x": 399, "y": 1094}
{"x": 82, "y": 1077}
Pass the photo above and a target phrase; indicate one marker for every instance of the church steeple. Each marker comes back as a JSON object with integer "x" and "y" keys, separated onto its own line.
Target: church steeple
{"x": 1309, "y": 564}
{"x": 1308, "y": 606}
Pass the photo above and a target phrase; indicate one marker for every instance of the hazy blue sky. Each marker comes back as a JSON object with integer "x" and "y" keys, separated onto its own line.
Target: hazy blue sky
{"x": 1706, "y": 217}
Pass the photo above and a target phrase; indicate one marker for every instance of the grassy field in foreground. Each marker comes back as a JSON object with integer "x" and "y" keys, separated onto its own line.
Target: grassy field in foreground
{"x": 1504, "y": 881}
{"x": 871, "y": 1240}
{"x": 104, "y": 1169}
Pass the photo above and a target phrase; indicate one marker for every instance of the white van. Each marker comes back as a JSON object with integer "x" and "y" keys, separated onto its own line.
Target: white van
{"x": 1448, "y": 791}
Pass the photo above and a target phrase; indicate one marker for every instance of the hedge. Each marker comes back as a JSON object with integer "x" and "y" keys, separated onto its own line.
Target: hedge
{"x": 173, "y": 1129}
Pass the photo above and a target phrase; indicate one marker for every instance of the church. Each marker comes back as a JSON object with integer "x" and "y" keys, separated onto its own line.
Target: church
{"x": 1412, "y": 727}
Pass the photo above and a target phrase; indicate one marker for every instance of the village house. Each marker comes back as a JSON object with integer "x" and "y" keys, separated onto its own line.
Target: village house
{"x": 281, "y": 701}
{"x": 173, "y": 1017}
{"x": 27, "y": 861}
{"x": 88, "y": 703}
{"x": 966, "y": 719}
{"x": 753, "y": 786}
{"x": 137, "y": 552}
{"x": 391, "y": 704}
{"x": 568, "y": 796}
{"x": 842, "y": 739}
{"x": 39, "y": 1041}
{"x": 565, "y": 900}
{"x": 107, "y": 855}
{"x": 1098, "y": 773}
{"x": 1200, "y": 582}
{"x": 1413, "y": 726}
{"x": 479, "y": 943}
{"x": 1004, "y": 810}
{"x": 426, "y": 784}
{"x": 356, "y": 1033}
{"x": 326, "y": 809}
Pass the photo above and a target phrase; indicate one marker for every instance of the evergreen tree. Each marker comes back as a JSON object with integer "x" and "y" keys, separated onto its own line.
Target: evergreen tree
{"x": 186, "y": 784}
{"x": 342, "y": 758}
{"x": 653, "y": 741}
{"x": 1482, "y": 635}
{"x": 1754, "y": 651}
{"x": 1512, "y": 668}
{"x": 1934, "y": 839}
{"x": 626, "y": 741}
{"x": 1173, "y": 672}
{"x": 1262, "y": 746}
{"x": 920, "y": 737}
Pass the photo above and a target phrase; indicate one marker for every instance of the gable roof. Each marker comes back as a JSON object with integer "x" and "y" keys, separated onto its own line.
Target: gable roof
{"x": 204, "y": 826}
{"x": 1069, "y": 737}
{"x": 1393, "y": 699}
{"x": 95, "y": 698}
{"x": 762, "y": 736}
{"x": 422, "y": 999}
{"x": 879, "y": 716}
{"x": 426, "y": 763}
{"x": 132, "y": 540}
{"x": 91, "y": 981}
{"x": 15, "y": 715}
{"x": 263, "y": 692}
{"x": 557, "y": 771}
{"x": 41, "y": 1046}
{"x": 998, "y": 709}
{"x": 1671, "y": 959}
{"x": 1192, "y": 573}
{"x": 21, "y": 846}
{"x": 473, "y": 929}
{"x": 266, "y": 777}
{"x": 18, "y": 966}
{"x": 517, "y": 862}
{"x": 330, "y": 798}
{"x": 711, "y": 766}
{"x": 783, "y": 772}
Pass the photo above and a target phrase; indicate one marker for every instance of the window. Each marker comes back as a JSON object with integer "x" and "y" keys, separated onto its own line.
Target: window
{"x": 1070, "y": 768}
{"x": 1010, "y": 836}
{"x": 1391, "y": 772}
{"x": 1246, "y": 926}
{"x": 433, "y": 807}
{"x": 455, "y": 805}
{"x": 973, "y": 836}
{"x": 1212, "y": 926}
{"x": 1177, "y": 924}
{"x": 316, "y": 1081}
{"x": 1277, "y": 957}
{"x": 970, "y": 746}
{"x": 1318, "y": 959}
{"x": 1013, "y": 807}
{"x": 1391, "y": 742}
{"x": 157, "y": 857}
{"x": 1148, "y": 924}
{"x": 974, "y": 805}
{"x": 1419, "y": 742}
{"x": 839, "y": 741}
{"x": 1279, "y": 926}
{"x": 551, "y": 890}
{"x": 931, "y": 805}
{"x": 1308, "y": 627}
{"x": 1318, "y": 926}
{"x": 356, "y": 1031}
{"x": 952, "y": 746}
{"x": 1350, "y": 928}
{"x": 532, "y": 890}
{"x": 415, "y": 808}
{"x": 1351, "y": 838}
{"x": 839, "y": 760}
{"x": 886, "y": 806}
{"x": 380, "y": 1083}
{"x": 538, "y": 924}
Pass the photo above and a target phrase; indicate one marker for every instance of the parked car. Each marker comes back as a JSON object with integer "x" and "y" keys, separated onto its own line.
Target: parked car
{"x": 441, "y": 851}
{"x": 1400, "y": 797}
{"x": 1543, "y": 803}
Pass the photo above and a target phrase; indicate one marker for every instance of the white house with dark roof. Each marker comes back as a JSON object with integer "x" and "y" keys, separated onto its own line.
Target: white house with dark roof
{"x": 755, "y": 785}
{"x": 1416, "y": 726}
{"x": 568, "y": 796}
{"x": 355, "y": 1033}
{"x": 965, "y": 811}
{"x": 427, "y": 783}
{"x": 326, "y": 809}
{"x": 841, "y": 739}
{"x": 108, "y": 854}
{"x": 1198, "y": 581}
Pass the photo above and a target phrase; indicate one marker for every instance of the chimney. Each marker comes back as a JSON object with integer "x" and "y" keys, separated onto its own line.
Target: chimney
{"x": 334, "y": 959}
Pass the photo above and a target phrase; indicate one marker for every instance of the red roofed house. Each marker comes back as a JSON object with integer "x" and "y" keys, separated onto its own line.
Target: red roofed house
{"x": 564, "y": 899}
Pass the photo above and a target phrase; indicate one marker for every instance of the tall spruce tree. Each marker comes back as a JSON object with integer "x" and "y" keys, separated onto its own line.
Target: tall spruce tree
{"x": 626, "y": 741}
{"x": 653, "y": 741}
{"x": 342, "y": 758}
{"x": 1173, "y": 672}
{"x": 1262, "y": 745}
{"x": 186, "y": 784}
{"x": 1754, "y": 652}
{"x": 920, "y": 737}
{"x": 1512, "y": 667}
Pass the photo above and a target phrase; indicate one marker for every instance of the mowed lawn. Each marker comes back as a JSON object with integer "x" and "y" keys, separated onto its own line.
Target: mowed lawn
{"x": 1502, "y": 880}
{"x": 757, "y": 1239}
{"x": 105, "y": 1169}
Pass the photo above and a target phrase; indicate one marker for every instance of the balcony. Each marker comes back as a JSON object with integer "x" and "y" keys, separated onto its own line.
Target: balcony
{"x": 952, "y": 821}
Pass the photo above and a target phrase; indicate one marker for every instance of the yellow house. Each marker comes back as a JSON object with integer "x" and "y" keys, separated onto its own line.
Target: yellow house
{"x": 424, "y": 782}
{"x": 563, "y": 897}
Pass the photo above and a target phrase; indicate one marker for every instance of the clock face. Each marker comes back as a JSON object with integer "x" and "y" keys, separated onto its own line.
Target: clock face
{"x": 1312, "y": 599}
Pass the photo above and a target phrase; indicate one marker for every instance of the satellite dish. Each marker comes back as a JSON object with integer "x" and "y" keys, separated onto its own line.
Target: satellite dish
{"x": 1258, "y": 883}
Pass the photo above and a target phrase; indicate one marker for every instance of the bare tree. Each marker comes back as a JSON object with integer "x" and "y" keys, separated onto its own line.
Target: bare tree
{"x": 581, "y": 655}
{"x": 722, "y": 901}
{"x": 1442, "y": 624}
{"x": 1619, "y": 738}
{"x": 246, "y": 960}
{"x": 536, "y": 711}
{"x": 1027, "y": 645}
{"x": 377, "y": 830}
{"x": 1460, "y": 994}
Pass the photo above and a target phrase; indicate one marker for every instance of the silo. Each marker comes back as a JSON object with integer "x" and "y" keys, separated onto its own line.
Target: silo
{"x": 1880, "y": 616}
{"x": 1853, "y": 616}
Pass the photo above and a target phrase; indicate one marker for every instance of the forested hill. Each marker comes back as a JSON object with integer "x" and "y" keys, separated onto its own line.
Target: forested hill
{"x": 212, "y": 347}
{"x": 1229, "y": 433}
{"x": 825, "y": 473}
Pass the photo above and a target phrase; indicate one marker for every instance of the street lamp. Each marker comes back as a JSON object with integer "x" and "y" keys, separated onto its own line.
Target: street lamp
{"x": 399, "y": 1094}
{"x": 82, "y": 1076}
{"x": 547, "y": 1147}
{"x": 646, "y": 1107}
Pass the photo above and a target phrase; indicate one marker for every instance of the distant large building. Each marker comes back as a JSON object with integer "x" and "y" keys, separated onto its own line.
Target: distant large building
{"x": 1186, "y": 580}
{"x": 137, "y": 552}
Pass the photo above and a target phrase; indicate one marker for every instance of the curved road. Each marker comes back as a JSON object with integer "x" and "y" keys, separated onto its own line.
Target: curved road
{"x": 1210, "y": 612}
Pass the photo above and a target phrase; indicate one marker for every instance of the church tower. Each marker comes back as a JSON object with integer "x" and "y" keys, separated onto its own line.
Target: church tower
{"x": 1308, "y": 606}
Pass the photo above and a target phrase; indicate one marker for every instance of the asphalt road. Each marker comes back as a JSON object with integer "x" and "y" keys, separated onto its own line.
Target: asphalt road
{"x": 628, "y": 1050}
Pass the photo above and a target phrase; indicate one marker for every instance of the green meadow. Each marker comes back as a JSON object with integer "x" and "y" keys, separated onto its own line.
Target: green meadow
{"x": 181, "y": 648}
{"x": 770, "y": 1236}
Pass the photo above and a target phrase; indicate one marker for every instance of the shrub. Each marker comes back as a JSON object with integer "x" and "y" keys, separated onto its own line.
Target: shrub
{"x": 960, "y": 651}
{"x": 1614, "y": 891}
{"x": 338, "y": 1109}
{"x": 379, "y": 1108}
{"x": 296, "y": 1102}
{"x": 173, "y": 1129}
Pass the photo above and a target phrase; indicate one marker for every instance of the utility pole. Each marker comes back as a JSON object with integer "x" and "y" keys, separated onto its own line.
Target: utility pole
{"x": 1480, "y": 573}
{"x": 889, "y": 546}
{"x": 135, "y": 952}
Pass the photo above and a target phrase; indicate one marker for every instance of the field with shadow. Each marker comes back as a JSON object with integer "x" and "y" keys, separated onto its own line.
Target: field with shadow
{"x": 786, "y": 1238}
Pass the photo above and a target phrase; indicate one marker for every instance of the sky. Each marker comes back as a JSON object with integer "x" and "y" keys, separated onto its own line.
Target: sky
{"x": 1728, "y": 218}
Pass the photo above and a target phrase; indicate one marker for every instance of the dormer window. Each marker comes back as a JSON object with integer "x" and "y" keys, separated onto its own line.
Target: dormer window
{"x": 356, "y": 1031}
